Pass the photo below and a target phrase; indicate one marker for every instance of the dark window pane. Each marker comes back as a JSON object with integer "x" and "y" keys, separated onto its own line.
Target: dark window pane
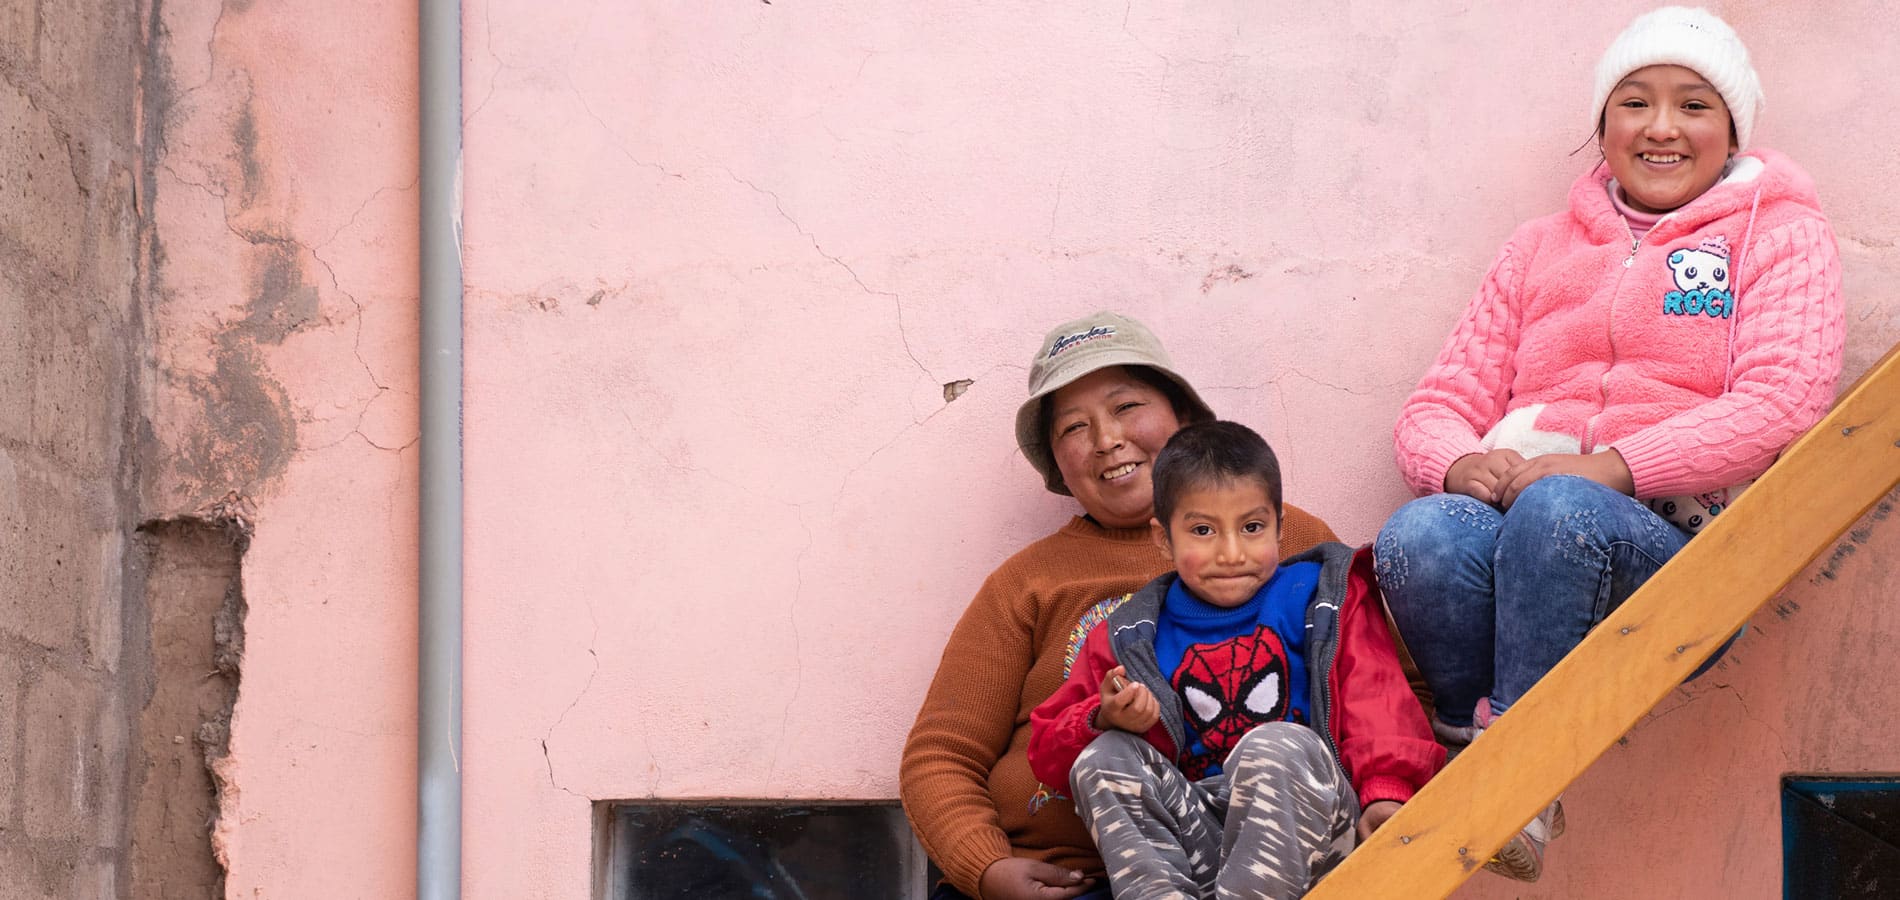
{"x": 761, "y": 852}
{"x": 1839, "y": 836}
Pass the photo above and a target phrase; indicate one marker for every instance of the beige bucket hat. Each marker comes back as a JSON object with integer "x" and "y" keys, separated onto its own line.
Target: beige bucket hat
{"x": 1074, "y": 349}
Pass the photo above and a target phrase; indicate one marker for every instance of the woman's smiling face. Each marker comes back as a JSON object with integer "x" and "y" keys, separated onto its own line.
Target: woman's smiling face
{"x": 1666, "y": 136}
{"x": 1104, "y": 431}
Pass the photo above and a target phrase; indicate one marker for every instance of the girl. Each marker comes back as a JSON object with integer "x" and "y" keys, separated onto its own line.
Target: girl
{"x": 1628, "y": 366}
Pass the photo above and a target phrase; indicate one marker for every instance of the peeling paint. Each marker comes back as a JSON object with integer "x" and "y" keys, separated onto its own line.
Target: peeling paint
{"x": 954, "y": 389}
{"x": 1231, "y": 273}
{"x": 247, "y": 425}
{"x": 244, "y": 140}
{"x": 282, "y": 301}
{"x": 248, "y": 431}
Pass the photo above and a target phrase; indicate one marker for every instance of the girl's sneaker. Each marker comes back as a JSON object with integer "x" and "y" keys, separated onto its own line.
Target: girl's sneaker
{"x": 1522, "y": 857}
{"x": 1455, "y": 738}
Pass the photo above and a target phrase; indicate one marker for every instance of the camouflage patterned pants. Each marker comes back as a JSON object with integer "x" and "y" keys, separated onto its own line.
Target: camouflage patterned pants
{"x": 1279, "y": 816}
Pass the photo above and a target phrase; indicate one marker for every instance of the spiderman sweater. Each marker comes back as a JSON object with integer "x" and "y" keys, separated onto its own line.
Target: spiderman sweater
{"x": 1235, "y": 668}
{"x": 1339, "y": 673}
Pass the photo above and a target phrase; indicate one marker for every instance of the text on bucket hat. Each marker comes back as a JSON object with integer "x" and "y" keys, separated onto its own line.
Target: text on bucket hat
{"x": 1074, "y": 349}
{"x": 1694, "y": 39}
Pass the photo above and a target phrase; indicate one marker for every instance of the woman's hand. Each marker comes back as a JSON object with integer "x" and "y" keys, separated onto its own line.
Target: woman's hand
{"x": 1017, "y": 878}
{"x": 1374, "y": 816}
{"x": 1126, "y": 705}
{"x": 1481, "y": 475}
{"x": 1605, "y": 467}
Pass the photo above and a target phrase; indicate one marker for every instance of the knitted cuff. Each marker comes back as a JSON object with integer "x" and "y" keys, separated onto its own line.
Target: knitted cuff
{"x": 1433, "y": 461}
{"x": 965, "y": 862}
{"x": 1657, "y": 469}
{"x": 1384, "y": 787}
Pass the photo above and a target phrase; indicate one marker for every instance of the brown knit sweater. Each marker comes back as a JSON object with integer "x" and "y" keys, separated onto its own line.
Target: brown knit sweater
{"x": 965, "y": 774}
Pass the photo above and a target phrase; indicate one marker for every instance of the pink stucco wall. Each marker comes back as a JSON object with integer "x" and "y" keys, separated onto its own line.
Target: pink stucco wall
{"x": 722, "y": 260}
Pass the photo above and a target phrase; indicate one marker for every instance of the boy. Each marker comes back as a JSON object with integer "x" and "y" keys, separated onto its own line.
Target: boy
{"x": 1236, "y": 713}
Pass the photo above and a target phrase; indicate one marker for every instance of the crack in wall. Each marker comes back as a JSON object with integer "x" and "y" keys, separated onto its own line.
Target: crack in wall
{"x": 211, "y": 48}
{"x": 618, "y": 141}
{"x": 246, "y": 428}
{"x": 844, "y": 482}
{"x": 404, "y": 188}
{"x": 592, "y": 643}
{"x": 1379, "y": 390}
{"x": 549, "y": 759}
{"x": 1781, "y": 740}
{"x": 1057, "y": 207}
{"x": 897, "y": 302}
{"x": 72, "y": 153}
{"x": 798, "y": 660}
{"x": 494, "y": 79}
{"x": 271, "y": 301}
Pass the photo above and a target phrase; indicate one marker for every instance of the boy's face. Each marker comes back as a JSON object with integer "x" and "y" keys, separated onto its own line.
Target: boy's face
{"x": 1224, "y": 539}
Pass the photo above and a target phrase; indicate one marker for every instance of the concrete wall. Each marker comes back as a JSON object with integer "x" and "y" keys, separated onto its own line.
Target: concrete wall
{"x": 70, "y": 336}
{"x": 729, "y": 266}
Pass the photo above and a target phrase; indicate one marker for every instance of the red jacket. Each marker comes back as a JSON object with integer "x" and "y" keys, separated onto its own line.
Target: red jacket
{"x": 1360, "y": 699}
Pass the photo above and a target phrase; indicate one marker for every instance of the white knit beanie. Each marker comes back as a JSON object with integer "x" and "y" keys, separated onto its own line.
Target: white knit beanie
{"x": 1692, "y": 38}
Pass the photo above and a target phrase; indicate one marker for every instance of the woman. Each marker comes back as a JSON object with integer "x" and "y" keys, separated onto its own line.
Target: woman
{"x": 1103, "y": 400}
{"x": 1628, "y": 366}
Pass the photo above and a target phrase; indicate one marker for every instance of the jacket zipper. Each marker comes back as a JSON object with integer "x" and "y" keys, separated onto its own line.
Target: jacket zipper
{"x": 1323, "y": 717}
{"x": 1609, "y": 326}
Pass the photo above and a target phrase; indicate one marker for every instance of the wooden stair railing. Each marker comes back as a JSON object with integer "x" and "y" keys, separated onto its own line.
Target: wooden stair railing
{"x": 1822, "y": 484}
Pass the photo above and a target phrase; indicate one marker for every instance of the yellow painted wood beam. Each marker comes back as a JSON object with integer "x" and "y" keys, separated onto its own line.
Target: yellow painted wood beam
{"x": 1823, "y": 483}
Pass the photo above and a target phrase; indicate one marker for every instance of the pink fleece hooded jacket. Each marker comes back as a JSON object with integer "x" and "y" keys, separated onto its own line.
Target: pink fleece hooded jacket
{"x": 1698, "y": 352}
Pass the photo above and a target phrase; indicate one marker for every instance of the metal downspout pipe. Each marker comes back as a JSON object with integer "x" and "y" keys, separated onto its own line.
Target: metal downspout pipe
{"x": 439, "y": 676}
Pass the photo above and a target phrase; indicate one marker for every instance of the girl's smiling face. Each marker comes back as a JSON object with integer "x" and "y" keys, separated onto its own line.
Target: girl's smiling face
{"x": 1666, "y": 136}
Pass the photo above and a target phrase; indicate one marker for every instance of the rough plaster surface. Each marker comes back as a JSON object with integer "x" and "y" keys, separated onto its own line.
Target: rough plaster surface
{"x": 280, "y": 277}
{"x": 69, "y": 343}
{"x": 193, "y": 607}
{"x": 723, "y": 261}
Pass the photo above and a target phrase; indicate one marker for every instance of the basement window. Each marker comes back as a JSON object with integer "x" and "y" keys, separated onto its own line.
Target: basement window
{"x": 1840, "y": 836}
{"x": 757, "y": 850}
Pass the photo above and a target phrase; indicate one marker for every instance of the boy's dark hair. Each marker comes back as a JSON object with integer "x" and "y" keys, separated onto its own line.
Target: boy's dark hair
{"x": 1210, "y": 453}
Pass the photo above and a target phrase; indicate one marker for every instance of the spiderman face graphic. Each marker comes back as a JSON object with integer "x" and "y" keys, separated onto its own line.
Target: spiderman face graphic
{"x": 1232, "y": 685}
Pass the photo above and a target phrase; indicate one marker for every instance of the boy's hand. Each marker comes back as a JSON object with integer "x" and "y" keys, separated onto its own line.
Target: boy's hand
{"x": 1374, "y": 816}
{"x": 1126, "y": 705}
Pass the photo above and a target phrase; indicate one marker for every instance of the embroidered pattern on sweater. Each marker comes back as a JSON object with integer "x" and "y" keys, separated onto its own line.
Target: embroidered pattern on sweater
{"x": 1701, "y": 274}
{"x": 1096, "y": 615}
{"x": 1078, "y": 635}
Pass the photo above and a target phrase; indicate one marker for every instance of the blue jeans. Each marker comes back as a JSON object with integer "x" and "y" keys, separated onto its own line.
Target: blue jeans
{"x": 1489, "y": 601}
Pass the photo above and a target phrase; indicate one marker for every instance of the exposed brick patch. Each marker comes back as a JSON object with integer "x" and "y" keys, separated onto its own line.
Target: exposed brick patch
{"x": 194, "y": 599}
